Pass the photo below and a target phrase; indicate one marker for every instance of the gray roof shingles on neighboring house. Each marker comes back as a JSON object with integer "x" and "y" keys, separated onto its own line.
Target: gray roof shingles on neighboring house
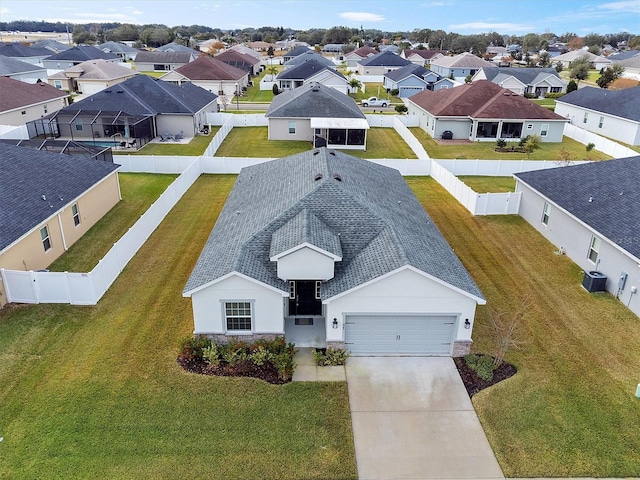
{"x": 384, "y": 59}
{"x": 614, "y": 189}
{"x": 144, "y": 95}
{"x": 528, "y": 76}
{"x": 297, "y": 51}
{"x": 408, "y": 70}
{"x": 176, "y": 47}
{"x": 164, "y": 57}
{"x": 370, "y": 208}
{"x": 29, "y": 174}
{"x": 11, "y": 66}
{"x": 82, "y": 53}
{"x": 16, "y": 50}
{"x": 307, "y": 57}
{"x": 621, "y": 103}
{"x": 117, "y": 47}
{"x": 305, "y": 70}
{"x": 314, "y": 101}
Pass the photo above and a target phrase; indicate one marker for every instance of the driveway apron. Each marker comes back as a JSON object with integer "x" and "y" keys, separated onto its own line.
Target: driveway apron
{"x": 412, "y": 419}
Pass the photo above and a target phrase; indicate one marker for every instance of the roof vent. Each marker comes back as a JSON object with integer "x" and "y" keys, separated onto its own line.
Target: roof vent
{"x": 337, "y": 177}
{"x": 318, "y": 177}
{"x": 332, "y": 153}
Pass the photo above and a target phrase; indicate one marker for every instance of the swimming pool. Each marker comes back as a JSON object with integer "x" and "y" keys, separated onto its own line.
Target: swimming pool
{"x": 102, "y": 143}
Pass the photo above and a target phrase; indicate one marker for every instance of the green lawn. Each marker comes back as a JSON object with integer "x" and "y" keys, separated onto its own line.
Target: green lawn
{"x": 481, "y": 184}
{"x": 252, "y": 142}
{"x": 254, "y": 94}
{"x": 486, "y": 150}
{"x": 95, "y": 392}
{"x": 195, "y": 147}
{"x": 570, "y": 411}
{"x": 139, "y": 191}
{"x": 549, "y": 103}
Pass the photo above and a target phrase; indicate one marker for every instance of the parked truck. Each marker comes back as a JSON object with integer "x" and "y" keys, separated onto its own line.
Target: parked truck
{"x": 374, "y": 102}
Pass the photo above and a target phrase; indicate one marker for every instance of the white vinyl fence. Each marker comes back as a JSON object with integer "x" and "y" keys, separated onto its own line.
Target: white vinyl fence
{"x": 603, "y": 144}
{"x": 88, "y": 288}
{"x": 499, "y": 168}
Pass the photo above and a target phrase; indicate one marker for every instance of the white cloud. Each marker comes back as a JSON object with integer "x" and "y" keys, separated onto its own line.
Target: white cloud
{"x": 362, "y": 16}
{"x": 437, "y": 4}
{"x": 498, "y": 27}
{"x": 631, "y": 6}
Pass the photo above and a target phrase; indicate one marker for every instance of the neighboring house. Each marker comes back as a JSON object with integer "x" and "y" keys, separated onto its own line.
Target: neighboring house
{"x": 140, "y": 108}
{"x": 352, "y": 59}
{"x": 332, "y": 48}
{"x": 631, "y": 67}
{"x": 23, "y": 71}
{"x": 591, "y": 213}
{"x": 612, "y": 113}
{"x": 495, "y": 50}
{"x": 483, "y": 111}
{"x": 125, "y": 52}
{"x": 210, "y": 74}
{"x": 381, "y": 63}
{"x": 459, "y": 66}
{"x": 446, "y": 83}
{"x": 305, "y": 57}
{"x": 243, "y": 61}
{"x": 312, "y": 71}
{"x": 534, "y": 81}
{"x": 389, "y": 48}
{"x": 409, "y": 80}
{"x": 596, "y": 61}
{"x": 91, "y": 77}
{"x": 52, "y": 45}
{"x": 325, "y": 249}
{"x": 320, "y": 115}
{"x": 261, "y": 46}
{"x": 23, "y": 53}
{"x": 49, "y": 200}
{"x": 619, "y": 56}
{"x": 177, "y": 48}
{"x": 75, "y": 55}
{"x": 162, "y": 61}
{"x": 295, "y": 52}
{"x": 421, "y": 57}
{"x": 247, "y": 50}
{"x": 22, "y": 102}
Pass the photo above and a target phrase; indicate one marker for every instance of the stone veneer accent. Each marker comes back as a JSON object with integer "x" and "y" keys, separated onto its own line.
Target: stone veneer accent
{"x": 221, "y": 338}
{"x": 336, "y": 345}
{"x": 461, "y": 348}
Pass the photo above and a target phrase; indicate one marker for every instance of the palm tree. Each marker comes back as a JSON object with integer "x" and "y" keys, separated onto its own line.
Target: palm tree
{"x": 355, "y": 84}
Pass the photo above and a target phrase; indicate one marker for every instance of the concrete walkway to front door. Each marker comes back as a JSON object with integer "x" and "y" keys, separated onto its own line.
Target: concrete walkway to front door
{"x": 412, "y": 419}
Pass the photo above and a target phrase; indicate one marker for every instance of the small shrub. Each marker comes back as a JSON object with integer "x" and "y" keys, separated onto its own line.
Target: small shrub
{"x": 401, "y": 108}
{"x": 553, "y": 95}
{"x": 192, "y": 347}
{"x": 472, "y": 360}
{"x": 284, "y": 364}
{"x": 394, "y": 92}
{"x": 484, "y": 368}
{"x": 530, "y": 95}
{"x": 234, "y": 352}
{"x": 590, "y": 146}
{"x": 331, "y": 357}
{"x": 500, "y": 143}
{"x": 211, "y": 355}
{"x": 523, "y": 140}
{"x": 260, "y": 356}
{"x": 275, "y": 89}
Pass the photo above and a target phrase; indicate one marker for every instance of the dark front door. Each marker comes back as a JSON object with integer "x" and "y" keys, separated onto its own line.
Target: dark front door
{"x": 303, "y": 299}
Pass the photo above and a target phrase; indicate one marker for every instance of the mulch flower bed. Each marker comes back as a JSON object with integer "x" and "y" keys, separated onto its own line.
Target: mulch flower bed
{"x": 474, "y": 384}
{"x": 243, "y": 368}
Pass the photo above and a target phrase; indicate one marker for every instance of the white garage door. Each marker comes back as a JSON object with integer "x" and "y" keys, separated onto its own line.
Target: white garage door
{"x": 89, "y": 88}
{"x": 408, "y": 91}
{"x": 399, "y": 334}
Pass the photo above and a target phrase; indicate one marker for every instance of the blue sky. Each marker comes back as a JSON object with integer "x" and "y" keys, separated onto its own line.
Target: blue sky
{"x": 514, "y": 17}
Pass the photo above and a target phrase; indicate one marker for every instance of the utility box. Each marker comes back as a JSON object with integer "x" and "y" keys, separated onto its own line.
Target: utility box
{"x": 594, "y": 281}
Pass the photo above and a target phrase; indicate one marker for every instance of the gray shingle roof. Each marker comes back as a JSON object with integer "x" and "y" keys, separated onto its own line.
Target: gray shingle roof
{"x": 305, "y": 228}
{"x": 305, "y": 70}
{"x": 406, "y": 71}
{"x": 614, "y": 189}
{"x": 314, "y": 101}
{"x": 528, "y": 76}
{"x": 16, "y": 50}
{"x": 384, "y": 59}
{"x": 117, "y": 47}
{"x": 621, "y": 103}
{"x": 28, "y": 174}
{"x": 164, "y": 57}
{"x": 297, "y": 51}
{"x": 82, "y": 53}
{"x": 306, "y": 57}
{"x": 381, "y": 224}
{"x": 176, "y": 47}
{"x": 144, "y": 95}
{"x": 11, "y": 66}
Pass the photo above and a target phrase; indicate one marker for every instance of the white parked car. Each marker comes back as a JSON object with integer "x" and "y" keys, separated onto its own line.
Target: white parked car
{"x": 374, "y": 102}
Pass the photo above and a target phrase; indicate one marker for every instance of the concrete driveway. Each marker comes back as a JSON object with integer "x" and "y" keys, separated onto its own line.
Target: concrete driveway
{"x": 412, "y": 419}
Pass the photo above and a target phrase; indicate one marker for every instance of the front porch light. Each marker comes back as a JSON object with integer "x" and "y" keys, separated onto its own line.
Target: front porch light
{"x": 467, "y": 324}
{"x": 335, "y": 323}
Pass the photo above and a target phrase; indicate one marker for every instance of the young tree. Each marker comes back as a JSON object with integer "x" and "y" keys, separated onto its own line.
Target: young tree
{"x": 275, "y": 89}
{"x": 544, "y": 59}
{"x": 579, "y": 68}
{"x": 503, "y": 327}
{"x": 609, "y": 75}
{"x": 532, "y": 143}
{"x": 572, "y": 86}
{"x": 559, "y": 67}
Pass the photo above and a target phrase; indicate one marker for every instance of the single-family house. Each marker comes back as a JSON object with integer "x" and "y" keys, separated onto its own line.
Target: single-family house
{"x": 410, "y": 80}
{"x": 421, "y": 57}
{"x": 612, "y": 113}
{"x": 53, "y": 46}
{"x": 352, "y": 59}
{"x": 312, "y": 71}
{"x": 243, "y": 61}
{"x": 590, "y": 213}
{"x": 326, "y": 249}
{"x": 459, "y": 66}
{"x": 22, "y": 102}
{"x": 446, "y": 83}
{"x": 631, "y": 67}
{"x": 174, "y": 47}
{"x": 75, "y": 55}
{"x": 162, "y": 61}
{"x": 125, "y": 52}
{"x": 260, "y": 46}
{"x": 483, "y": 111}
{"x": 247, "y": 50}
{"x": 332, "y": 48}
{"x": 596, "y": 61}
{"x": 294, "y": 52}
{"x": 389, "y": 48}
{"x": 212, "y": 75}
{"x": 90, "y": 77}
{"x": 133, "y": 112}
{"x": 23, "y": 71}
{"x": 17, "y": 51}
{"x": 319, "y": 114}
{"x": 49, "y": 200}
{"x": 381, "y": 63}
{"x": 305, "y": 57}
{"x": 534, "y": 81}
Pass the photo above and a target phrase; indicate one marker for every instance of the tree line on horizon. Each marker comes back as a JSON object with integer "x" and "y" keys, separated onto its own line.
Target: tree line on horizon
{"x": 155, "y": 35}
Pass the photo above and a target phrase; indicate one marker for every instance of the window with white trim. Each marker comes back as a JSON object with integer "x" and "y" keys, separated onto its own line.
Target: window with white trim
{"x": 594, "y": 249}
{"x": 546, "y": 212}
{"x": 544, "y": 129}
{"x": 292, "y": 128}
{"x": 57, "y": 84}
{"x": 44, "y": 235}
{"x": 318, "y": 284}
{"x": 292, "y": 289}
{"x": 238, "y": 316}
{"x": 601, "y": 122}
{"x": 76, "y": 214}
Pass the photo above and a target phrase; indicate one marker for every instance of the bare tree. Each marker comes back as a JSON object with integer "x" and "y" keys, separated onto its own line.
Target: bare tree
{"x": 504, "y": 326}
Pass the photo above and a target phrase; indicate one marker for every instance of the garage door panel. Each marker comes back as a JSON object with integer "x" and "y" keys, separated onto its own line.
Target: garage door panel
{"x": 399, "y": 334}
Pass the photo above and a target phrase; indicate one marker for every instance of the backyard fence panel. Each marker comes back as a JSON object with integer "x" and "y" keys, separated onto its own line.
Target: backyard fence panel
{"x": 507, "y": 203}
{"x": 407, "y": 167}
{"x": 385, "y": 121}
{"x": 409, "y": 138}
{"x": 81, "y": 289}
{"x": 219, "y": 118}
{"x": 19, "y": 286}
{"x": 53, "y": 287}
{"x": 498, "y": 168}
{"x": 605, "y": 145}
